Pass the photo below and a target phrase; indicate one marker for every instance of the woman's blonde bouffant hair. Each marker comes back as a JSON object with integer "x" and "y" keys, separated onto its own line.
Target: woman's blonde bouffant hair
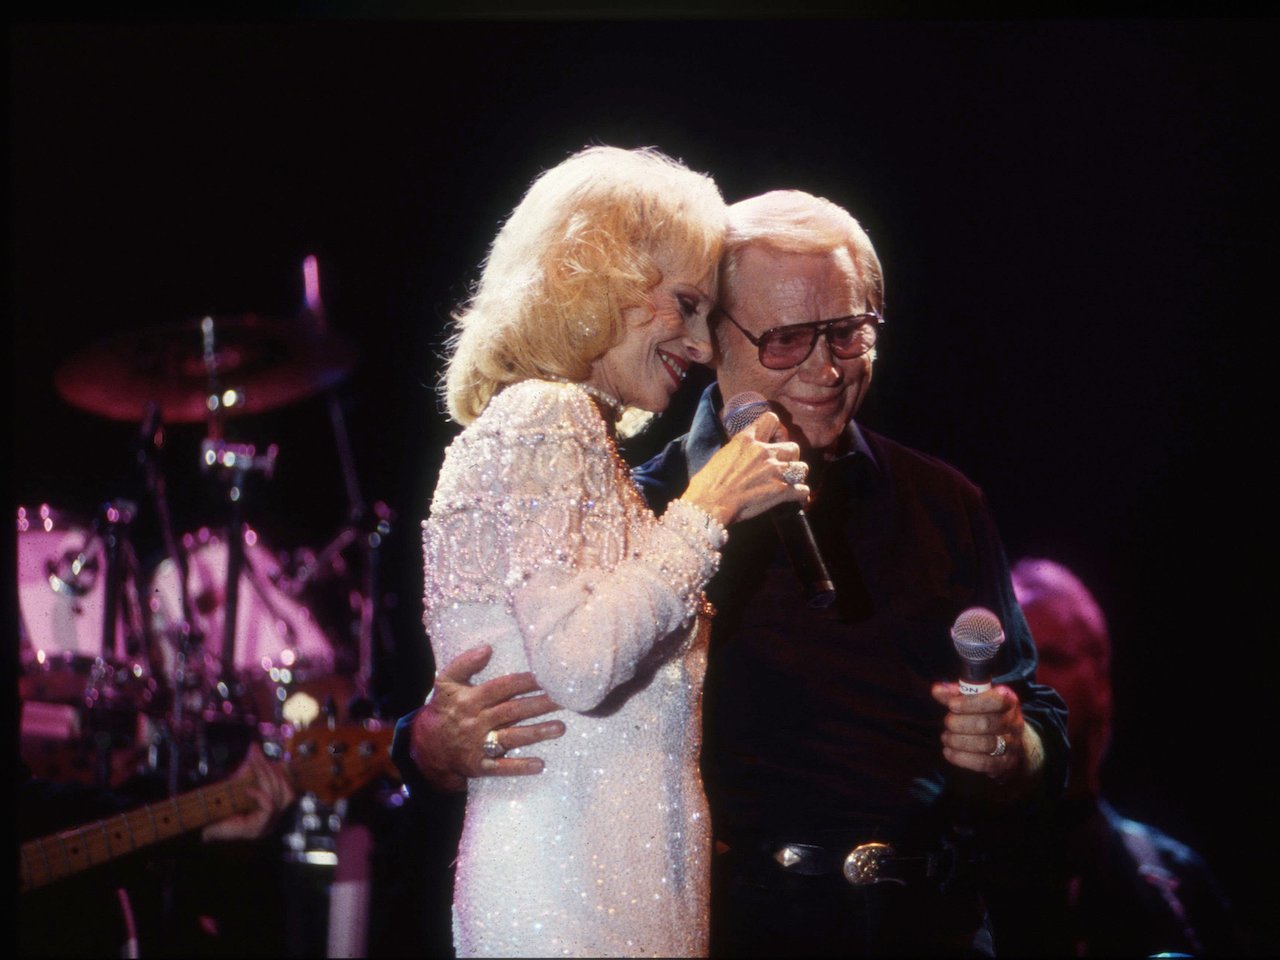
{"x": 585, "y": 243}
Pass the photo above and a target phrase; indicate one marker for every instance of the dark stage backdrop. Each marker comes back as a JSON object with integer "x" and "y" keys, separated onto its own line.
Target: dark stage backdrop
{"x": 1072, "y": 216}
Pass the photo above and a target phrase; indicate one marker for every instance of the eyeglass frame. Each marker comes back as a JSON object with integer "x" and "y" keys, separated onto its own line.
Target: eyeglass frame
{"x": 819, "y": 328}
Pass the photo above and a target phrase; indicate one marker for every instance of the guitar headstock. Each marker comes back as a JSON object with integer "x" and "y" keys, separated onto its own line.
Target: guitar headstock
{"x": 335, "y": 762}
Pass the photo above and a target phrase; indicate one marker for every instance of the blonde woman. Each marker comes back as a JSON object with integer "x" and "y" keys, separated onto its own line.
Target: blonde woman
{"x": 591, "y": 306}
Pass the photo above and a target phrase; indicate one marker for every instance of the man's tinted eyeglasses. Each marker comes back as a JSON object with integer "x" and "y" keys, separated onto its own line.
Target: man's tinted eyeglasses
{"x": 782, "y": 348}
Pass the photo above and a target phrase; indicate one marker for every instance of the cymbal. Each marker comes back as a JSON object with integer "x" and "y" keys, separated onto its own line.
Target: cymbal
{"x": 268, "y": 363}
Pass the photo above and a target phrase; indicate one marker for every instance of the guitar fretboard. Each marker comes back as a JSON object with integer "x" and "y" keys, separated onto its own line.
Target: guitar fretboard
{"x": 60, "y": 855}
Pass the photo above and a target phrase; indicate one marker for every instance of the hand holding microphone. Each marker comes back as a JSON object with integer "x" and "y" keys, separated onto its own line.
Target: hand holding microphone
{"x": 748, "y": 418}
{"x": 983, "y": 729}
{"x": 751, "y": 474}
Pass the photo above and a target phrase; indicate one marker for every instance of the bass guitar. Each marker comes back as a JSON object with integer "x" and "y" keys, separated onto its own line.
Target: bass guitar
{"x": 329, "y": 762}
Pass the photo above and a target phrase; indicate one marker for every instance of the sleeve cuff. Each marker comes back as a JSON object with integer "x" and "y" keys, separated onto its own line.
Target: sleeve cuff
{"x": 691, "y": 520}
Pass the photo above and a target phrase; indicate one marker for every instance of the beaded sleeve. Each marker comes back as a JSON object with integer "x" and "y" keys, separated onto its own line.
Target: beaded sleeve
{"x": 536, "y": 512}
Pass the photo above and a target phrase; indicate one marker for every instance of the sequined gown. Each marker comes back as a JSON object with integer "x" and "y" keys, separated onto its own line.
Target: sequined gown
{"x": 540, "y": 545}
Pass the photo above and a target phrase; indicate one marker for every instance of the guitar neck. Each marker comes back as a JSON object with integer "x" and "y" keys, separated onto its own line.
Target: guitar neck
{"x": 329, "y": 762}
{"x": 63, "y": 854}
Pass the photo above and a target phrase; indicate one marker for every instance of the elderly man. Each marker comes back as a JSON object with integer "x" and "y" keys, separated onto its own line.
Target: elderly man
{"x": 851, "y": 783}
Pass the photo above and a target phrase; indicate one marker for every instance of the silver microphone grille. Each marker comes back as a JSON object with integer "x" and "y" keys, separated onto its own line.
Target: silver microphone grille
{"x": 977, "y": 635}
{"x": 742, "y": 410}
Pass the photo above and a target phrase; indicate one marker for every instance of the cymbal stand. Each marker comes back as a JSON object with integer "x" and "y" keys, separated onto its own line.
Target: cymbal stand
{"x": 120, "y": 569}
{"x": 234, "y": 462}
{"x": 112, "y": 523}
{"x": 187, "y": 635}
{"x": 370, "y": 523}
{"x": 151, "y": 442}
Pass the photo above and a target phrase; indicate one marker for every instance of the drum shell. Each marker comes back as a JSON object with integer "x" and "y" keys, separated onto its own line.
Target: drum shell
{"x": 279, "y": 646}
{"x": 81, "y": 705}
{"x": 62, "y": 604}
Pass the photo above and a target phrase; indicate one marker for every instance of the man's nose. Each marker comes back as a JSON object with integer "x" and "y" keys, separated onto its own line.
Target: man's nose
{"x": 821, "y": 366}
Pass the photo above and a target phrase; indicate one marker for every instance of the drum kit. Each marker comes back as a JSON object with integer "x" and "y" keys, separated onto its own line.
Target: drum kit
{"x": 176, "y": 666}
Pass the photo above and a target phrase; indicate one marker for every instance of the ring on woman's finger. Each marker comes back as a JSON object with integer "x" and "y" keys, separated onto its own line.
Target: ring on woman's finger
{"x": 795, "y": 472}
{"x": 1002, "y": 746}
{"x": 493, "y": 748}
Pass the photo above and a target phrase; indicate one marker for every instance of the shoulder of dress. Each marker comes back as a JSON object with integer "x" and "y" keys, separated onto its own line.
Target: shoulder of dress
{"x": 531, "y": 436}
{"x": 541, "y": 405}
{"x": 553, "y": 392}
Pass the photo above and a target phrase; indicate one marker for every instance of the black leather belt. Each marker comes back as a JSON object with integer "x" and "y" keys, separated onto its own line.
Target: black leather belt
{"x": 862, "y": 864}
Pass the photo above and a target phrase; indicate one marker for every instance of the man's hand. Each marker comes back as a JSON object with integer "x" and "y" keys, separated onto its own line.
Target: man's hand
{"x": 269, "y": 786}
{"x": 447, "y": 745}
{"x": 975, "y": 726}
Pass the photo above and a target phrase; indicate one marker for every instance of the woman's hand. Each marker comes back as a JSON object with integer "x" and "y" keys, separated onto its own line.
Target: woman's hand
{"x": 750, "y": 474}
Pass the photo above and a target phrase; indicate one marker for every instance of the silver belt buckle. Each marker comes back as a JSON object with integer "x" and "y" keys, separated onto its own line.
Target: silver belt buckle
{"x": 863, "y": 864}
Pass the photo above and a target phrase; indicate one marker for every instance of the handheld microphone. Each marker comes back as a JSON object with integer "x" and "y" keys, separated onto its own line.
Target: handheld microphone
{"x": 977, "y": 635}
{"x": 789, "y": 519}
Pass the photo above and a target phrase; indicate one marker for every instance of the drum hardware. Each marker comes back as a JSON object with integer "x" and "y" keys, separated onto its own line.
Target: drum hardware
{"x": 113, "y": 525}
{"x": 234, "y": 463}
{"x": 261, "y": 363}
{"x": 367, "y": 529}
{"x": 211, "y": 714}
{"x": 164, "y": 751}
{"x": 87, "y": 683}
{"x": 312, "y": 837}
{"x": 377, "y": 526}
{"x": 209, "y": 370}
{"x": 228, "y": 682}
{"x": 222, "y": 685}
{"x": 281, "y": 650}
{"x": 369, "y": 523}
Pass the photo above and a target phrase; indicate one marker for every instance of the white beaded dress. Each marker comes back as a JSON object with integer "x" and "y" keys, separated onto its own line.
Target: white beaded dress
{"x": 539, "y": 544}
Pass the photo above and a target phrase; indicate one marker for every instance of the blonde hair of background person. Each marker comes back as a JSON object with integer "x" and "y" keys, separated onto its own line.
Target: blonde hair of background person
{"x": 579, "y": 249}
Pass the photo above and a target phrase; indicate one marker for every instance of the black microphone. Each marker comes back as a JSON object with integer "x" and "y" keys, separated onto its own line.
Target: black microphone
{"x": 789, "y": 518}
{"x": 977, "y": 635}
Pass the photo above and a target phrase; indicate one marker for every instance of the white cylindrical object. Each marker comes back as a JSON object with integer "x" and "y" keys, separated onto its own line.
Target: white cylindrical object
{"x": 349, "y": 893}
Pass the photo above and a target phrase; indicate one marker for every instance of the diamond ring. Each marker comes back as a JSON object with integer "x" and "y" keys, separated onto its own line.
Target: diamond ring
{"x": 795, "y": 472}
{"x": 493, "y": 748}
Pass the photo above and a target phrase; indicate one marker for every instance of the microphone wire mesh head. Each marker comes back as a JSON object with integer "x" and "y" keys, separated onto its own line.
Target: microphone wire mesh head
{"x": 977, "y": 635}
{"x": 742, "y": 410}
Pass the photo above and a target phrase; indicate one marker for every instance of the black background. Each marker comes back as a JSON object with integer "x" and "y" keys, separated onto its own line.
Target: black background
{"x": 1072, "y": 214}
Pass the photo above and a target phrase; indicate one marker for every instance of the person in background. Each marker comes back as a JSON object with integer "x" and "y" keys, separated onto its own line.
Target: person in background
{"x": 118, "y": 904}
{"x": 1099, "y": 884}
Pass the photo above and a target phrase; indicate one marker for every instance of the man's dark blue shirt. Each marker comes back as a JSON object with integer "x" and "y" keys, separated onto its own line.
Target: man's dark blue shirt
{"x": 820, "y": 720}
